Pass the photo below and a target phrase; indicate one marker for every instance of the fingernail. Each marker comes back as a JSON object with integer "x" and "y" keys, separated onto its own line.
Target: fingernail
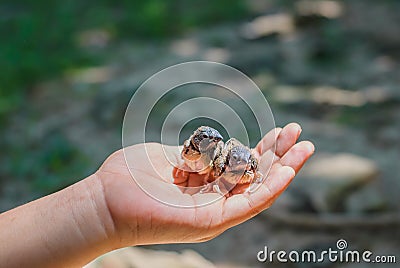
{"x": 299, "y": 131}
{"x": 310, "y": 146}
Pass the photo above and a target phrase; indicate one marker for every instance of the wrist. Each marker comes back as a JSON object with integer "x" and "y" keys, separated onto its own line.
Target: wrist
{"x": 122, "y": 231}
{"x": 84, "y": 222}
{"x": 86, "y": 225}
{"x": 92, "y": 215}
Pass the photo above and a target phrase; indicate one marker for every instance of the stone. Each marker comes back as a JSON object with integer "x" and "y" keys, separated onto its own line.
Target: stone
{"x": 369, "y": 199}
{"x": 328, "y": 180}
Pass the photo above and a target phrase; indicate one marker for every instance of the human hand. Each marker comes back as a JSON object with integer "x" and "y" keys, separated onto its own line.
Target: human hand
{"x": 139, "y": 219}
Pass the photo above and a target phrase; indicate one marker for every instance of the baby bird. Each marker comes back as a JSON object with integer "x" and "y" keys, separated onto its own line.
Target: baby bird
{"x": 236, "y": 165}
{"x": 202, "y": 147}
{"x": 225, "y": 165}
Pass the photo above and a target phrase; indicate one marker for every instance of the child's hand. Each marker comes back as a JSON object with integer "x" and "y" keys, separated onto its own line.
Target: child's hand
{"x": 139, "y": 219}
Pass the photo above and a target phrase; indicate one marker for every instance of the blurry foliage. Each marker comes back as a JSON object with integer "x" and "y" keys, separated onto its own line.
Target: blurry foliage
{"x": 45, "y": 166}
{"x": 41, "y": 40}
{"x": 39, "y": 37}
{"x": 332, "y": 44}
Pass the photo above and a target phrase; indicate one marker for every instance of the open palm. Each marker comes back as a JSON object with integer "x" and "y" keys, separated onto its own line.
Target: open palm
{"x": 141, "y": 219}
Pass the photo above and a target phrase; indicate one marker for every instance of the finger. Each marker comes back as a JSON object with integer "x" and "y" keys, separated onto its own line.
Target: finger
{"x": 240, "y": 188}
{"x": 267, "y": 141}
{"x": 195, "y": 183}
{"x": 182, "y": 184}
{"x": 298, "y": 155}
{"x": 196, "y": 180}
{"x": 287, "y": 138}
{"x": 280, "y": 177}
{"x": 241, "y": 207}
{"x": 180, "y": 176}
{"x": 266, "y": 161}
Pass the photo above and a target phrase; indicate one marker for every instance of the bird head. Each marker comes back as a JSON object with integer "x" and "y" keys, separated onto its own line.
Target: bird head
{"x": 238, "y": 158}
{"x": 205, "y": 138}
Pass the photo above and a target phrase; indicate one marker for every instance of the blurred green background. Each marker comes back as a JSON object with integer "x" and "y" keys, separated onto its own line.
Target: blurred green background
{"x": 69, "y": 68}
{"x": 44, "y": 41}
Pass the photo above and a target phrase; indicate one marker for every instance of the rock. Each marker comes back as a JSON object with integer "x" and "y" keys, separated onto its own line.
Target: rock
{"x": 368, "y": 199}
{"x": 329, "y": 180}
{"x": 266, "y": 25}
{"x": 141, "y": 258}
{"x": 292, "y": 202}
